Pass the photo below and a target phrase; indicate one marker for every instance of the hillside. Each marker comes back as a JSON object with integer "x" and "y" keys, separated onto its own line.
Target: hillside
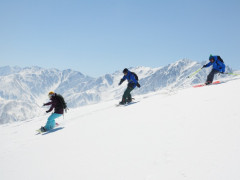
{"x": 24, "y": 90}
{"x": 189, "y": 134}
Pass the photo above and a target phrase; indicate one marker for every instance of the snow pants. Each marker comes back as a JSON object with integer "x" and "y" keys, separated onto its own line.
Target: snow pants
{"x": 211, "y": 75}
{"x": 51, "y": 121}
{"x": 127, "y": 95}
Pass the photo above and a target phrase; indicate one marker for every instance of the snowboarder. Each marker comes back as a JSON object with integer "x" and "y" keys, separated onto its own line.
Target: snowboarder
{"x": 58, "y": 104}
{"x": 132, "y": 83}
{"x": 218, "y": 67}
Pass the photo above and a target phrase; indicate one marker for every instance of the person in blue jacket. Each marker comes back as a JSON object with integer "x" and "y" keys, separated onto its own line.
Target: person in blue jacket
{"x": 132, "y": 83}
{"x": 218, "y": 67}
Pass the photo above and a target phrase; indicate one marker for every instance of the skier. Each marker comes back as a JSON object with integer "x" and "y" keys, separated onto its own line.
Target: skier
{"x": 218, "y": 67}
{"x": 132, "y": 83}
{"x": 58, "y": 104}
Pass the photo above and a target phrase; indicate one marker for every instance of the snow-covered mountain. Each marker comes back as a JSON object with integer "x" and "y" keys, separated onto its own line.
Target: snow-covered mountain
{"x": 192, "y": 134}
{"x": 24, "y": 90}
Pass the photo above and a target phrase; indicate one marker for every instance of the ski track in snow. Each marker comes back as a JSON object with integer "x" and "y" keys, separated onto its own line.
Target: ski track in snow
{"x": 187, "y": 134}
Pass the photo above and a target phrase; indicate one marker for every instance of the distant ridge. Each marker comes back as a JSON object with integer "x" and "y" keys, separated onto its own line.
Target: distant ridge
{"x": 23, "y": 90}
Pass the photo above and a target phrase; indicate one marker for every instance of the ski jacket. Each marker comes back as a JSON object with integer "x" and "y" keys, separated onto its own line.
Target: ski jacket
{"x": 217, "y": 65}
{"x": 55, "y": 104}
{"x": 132, "y": 82}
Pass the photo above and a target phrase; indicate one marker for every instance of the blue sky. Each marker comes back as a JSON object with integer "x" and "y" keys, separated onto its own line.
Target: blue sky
{"x": 101, "y": 36}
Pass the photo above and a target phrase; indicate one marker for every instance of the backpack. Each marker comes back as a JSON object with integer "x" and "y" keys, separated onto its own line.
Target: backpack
{"x": 62, "y": 101}
{"x": 136, "y": 77}
{"x": 220, "y": 59}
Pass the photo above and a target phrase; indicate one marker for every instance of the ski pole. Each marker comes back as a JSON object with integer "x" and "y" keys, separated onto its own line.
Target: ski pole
{"x": 232, "y": 74}
{"x": 194, "y": 73}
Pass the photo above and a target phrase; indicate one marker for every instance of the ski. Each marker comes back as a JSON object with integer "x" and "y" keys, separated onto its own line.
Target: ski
{"x": 201, "y": 85}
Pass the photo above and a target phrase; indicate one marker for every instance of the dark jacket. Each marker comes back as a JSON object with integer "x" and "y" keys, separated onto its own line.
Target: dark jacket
{"x": 132, "y": 82}
{"x": 55, "y": 104}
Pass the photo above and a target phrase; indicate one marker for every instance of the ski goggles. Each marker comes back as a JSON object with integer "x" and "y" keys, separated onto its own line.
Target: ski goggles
{"x": 50, "y": 95}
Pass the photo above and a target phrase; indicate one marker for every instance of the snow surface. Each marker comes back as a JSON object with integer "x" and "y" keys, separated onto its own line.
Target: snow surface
{"x": 190, "y": 134}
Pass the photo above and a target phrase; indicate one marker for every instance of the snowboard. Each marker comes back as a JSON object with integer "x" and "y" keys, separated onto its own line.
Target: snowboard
{"x": 201, "y": 85}
{"x": 127, "y": 104}
{"x": 40, "y": 132}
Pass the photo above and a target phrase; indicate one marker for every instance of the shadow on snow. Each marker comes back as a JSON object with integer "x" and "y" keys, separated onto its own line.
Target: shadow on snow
{"x": 53, "y": 130}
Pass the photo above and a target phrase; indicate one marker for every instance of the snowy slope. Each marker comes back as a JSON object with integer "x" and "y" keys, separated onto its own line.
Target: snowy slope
{"x": 192, "y": 134}
{"x": 24, "y": 90}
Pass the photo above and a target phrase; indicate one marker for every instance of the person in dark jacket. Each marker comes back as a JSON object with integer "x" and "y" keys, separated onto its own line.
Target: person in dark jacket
{"x": 218, "y": 67}
{"x": 56, "y": 104}
{"x": 132, "y": 83}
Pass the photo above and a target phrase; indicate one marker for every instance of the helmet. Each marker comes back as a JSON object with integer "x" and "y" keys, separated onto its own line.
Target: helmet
{"x": 50, "y": 94}
{"x": 210, "y": 57}
{"x": 125, "y": 70}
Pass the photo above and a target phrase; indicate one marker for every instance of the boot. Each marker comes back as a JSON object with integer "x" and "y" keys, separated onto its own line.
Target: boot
{"x": 208, "y": 82}
{"x": 122, "y": 102}
{"x": 129, "y": 100}
{"x": 43, "y": 129}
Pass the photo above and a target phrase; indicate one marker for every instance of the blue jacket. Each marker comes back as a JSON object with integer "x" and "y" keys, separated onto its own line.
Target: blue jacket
{"x": 132, "y": 82}
{"x": 217, "y": 65}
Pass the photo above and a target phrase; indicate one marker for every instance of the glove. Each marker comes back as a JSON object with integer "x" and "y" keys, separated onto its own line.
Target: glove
{"x": 204, "y": 66}
{"x": 120, "y": 82}
{"x": 44, "y": 104}
{"x": 138, "y": 85}
{"x": 47, "y": 111}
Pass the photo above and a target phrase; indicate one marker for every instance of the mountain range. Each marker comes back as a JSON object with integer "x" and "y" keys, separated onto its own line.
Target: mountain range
{"x": 24, "y": 90}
